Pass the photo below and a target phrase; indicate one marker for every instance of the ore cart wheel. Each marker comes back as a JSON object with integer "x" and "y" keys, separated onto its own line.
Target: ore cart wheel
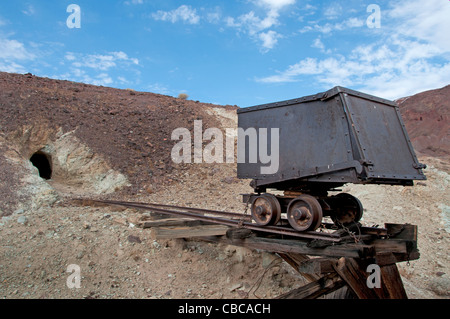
{"x": 350, "y": 210}
{"x": 304, "y": 213}
{"x": 266, "y": 210}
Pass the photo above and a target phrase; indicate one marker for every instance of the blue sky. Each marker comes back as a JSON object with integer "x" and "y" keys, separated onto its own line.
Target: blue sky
{"x": 238, "y": 52}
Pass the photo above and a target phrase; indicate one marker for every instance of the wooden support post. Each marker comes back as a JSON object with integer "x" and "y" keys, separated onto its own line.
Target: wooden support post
{"x": 353, "y": 272}
{"x": 392, "y": 282}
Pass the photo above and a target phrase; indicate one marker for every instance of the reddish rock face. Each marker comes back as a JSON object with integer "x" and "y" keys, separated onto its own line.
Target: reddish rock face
{"x": 427, "y": 120}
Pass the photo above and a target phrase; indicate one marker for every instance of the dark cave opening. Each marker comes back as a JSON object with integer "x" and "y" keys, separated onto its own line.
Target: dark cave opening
{"x": 43, "y": 163}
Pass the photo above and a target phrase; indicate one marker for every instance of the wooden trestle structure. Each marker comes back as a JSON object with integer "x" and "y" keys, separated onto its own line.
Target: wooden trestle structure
{"x": 363, "y": 259}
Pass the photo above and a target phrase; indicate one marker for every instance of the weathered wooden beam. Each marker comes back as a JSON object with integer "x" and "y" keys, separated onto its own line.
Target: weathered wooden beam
{"x": 279, "y": 245}
{"x": 295, "y": 260}
{"x": 317, "y": 266}
{"x": 318, "y": 288}
{"x": 392, "y": 283}
{"x": 383, "y": 246}
{"x": 187, "y": 232}
{"x": 402, "y": 231}
{"x": 353, "y": 272}
{"x": 383, "y": 259}
{"x": 301, "y": 247}
{"x": 356, "y": 278}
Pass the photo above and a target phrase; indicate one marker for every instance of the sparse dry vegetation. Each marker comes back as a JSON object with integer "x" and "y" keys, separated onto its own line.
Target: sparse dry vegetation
{"x": 183, "y": 96}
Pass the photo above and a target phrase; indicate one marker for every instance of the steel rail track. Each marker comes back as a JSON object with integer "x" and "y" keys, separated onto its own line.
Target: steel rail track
{"x": 234, "y": 220}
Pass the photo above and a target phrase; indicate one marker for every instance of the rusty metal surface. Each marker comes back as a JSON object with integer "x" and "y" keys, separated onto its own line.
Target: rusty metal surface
{"x": 234, "y": 219}
{"x": 240, "y": 220}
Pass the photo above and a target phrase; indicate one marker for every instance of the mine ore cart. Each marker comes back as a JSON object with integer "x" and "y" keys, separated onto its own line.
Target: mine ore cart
{"x": 324, "y": 141}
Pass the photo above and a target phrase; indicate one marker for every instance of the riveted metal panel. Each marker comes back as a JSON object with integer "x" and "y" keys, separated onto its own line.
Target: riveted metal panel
{"x": 339, "y": 136}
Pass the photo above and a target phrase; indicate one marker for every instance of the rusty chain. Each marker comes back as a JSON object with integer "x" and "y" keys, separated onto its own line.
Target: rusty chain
{"x": 241, "y": 221}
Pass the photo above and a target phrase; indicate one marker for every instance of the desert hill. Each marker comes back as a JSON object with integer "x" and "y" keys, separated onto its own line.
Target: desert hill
{"x": 427, "y": 118}
{"x": 100, "y": 139}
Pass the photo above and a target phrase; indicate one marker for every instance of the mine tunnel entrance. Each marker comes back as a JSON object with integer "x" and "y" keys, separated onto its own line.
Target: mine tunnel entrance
{"x": 43, "y": 163}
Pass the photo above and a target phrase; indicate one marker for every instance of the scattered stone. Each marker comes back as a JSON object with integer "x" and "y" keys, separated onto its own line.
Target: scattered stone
{"x": 156, "y": 244}
{"x": 235, "y": 287}
{"x": 268, "y": 259}
{"x": 121, "y": 221}
{"x": 421, "y": 184}
{"x": 134, "y": 239}
{"x": 228, "y": 180}
{"x": 22, "y": 220}
{"x": 440, "y": 286}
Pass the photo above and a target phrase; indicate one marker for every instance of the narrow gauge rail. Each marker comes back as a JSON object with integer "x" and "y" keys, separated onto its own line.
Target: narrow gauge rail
{"x": 242, "y": 220}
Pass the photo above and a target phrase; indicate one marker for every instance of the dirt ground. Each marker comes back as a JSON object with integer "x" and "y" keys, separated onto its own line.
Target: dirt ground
{"x": 36, "y": 254}
{"x": 38, "y": 246}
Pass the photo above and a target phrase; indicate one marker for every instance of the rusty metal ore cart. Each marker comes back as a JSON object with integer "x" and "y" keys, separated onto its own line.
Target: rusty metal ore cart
{"x": 325, "y": 141}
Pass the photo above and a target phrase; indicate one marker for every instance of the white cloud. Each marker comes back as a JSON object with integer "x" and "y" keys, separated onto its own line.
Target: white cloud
{"x": 275, "y": 4}
{"x": 430, "y": 22}
{"x": 259, "y": 28}
{"x": 12, "y": 67}
{"x": 95, "y": 68}
{"x": 134, "y": 2}
{"x": 393, "y": 70}
{"x": 159, "y": 89}
{"x": 123, "y": 80}
{"x": 213, "y": 17}
{"x": 318, "y": 44}
{"x": 250, "y": 23}
{"x": 333, "y": 11}
{"x": 183, "y": 13}
{"x": 412, "y": 55}
{"x": 269, "y": 39}
{"x": 70, "y": 57}
{"x": 12, "y": 52}
{"x": 354, "y": 23}
{"x": 328, "y": 28}
{"x": 98, "y": 61}
{"x": 81, "y": 75}
{"x": 29, "y": 11}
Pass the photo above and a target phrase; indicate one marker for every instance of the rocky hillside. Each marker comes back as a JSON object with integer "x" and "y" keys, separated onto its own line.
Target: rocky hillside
{"x": 427, "y": 118}
{"x": 100, "y": 139}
